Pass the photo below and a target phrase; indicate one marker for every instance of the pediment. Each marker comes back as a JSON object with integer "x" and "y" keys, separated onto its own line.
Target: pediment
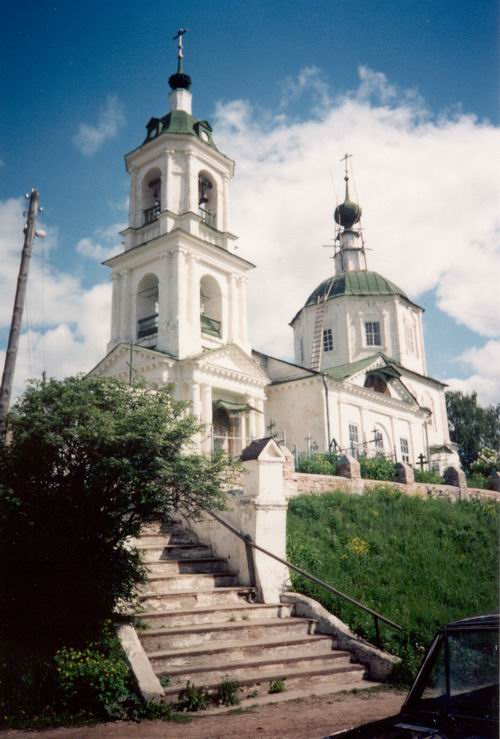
{"x": 117, "y": 362}
{"x": 397, "y": 388}
{"x": 232, "y": 359}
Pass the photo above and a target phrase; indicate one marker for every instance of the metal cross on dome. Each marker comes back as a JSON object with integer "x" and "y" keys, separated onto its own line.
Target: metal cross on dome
{"x": 178, "y": 36}
{"x": 345, "y": 159}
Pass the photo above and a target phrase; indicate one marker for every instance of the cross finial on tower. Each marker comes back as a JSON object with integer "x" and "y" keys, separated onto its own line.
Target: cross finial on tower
{"x": 345, "y": 159}
{"x": 180, "y": 51}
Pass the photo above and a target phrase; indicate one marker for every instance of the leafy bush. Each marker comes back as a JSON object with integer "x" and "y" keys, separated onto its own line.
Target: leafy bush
{"x": 227, "y": 693}
{"x": 420, "y": 562}
{"x": 87, "y": 460}
{"x": 476, "y": 480}
{"x": 488, "y": 460}
{"x": 318, "y": 464}
{"x": 193, "y": 698}
{"x": 428, "y": 476}
{"x": 377, "y": 468}
{"x": 91, "y": 681}
{"x": 277, "y": 686}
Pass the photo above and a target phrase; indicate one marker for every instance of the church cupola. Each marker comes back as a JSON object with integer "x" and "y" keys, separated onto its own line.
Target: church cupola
{"x": 350, "y": 255}
{"x": 180, "y": 82}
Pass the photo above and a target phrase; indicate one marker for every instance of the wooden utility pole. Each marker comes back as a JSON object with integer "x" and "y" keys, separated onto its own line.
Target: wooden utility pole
{"x": 17, "y": 313}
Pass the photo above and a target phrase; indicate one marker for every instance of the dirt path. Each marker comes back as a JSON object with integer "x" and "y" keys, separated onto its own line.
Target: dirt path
{"x": 305, "y": 719}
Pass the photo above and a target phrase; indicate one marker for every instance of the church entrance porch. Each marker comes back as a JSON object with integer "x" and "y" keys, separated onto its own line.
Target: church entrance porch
{"x": 233, "y": 426}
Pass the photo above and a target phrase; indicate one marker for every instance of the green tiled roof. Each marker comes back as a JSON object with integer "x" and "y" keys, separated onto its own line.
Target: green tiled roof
{"x": 178, "y": 121}
{"x": 361, "y": 282}
{"x": 341, "y": 371}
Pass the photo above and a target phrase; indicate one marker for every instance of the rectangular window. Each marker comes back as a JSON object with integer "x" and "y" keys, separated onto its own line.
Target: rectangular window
{"x": 327, "y": 340}
{"x": 405, "y": 450}
{"x": 373, "y": 333}
{"x": 353, "y": 439}
{"x": 410, "y": 339}
{"x": 379, "y": 443}
{"x": 302, "y": 351}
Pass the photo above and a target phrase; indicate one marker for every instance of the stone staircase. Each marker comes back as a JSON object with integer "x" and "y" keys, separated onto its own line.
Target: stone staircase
{"x": 197, "y": 624}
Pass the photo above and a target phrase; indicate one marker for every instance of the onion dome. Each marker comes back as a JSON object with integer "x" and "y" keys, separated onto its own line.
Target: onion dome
{"x": 348, "y": 213}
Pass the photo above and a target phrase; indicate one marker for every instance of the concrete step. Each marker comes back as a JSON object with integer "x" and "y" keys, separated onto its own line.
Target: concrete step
{"x": 188, "y": 599}
{"x": 297, "y": 678}
{"x": 238, "y": 650}
{"x": 173, "y": 536}
{"x": 175, "y": 551}
{"x": 260, "y": 666}
{"x": 245, "y": 612}
{"x": 187, "y": 582}
{"x": 194, "y": 636}
{"x": 253, "y": 698}
{"x": 168, "y": 567}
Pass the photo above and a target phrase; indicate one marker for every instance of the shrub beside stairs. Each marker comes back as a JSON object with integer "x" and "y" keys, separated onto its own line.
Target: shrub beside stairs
{"x": 196, "y": 623}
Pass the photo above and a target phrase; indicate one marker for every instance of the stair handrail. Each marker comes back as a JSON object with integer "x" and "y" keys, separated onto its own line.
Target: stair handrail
{"x": 250, "y": 544}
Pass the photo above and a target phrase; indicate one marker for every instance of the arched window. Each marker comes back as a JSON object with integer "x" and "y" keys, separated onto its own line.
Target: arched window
{"x": 207, "y": 199}
{"x": 210, "y": 307}
{"x": 377, "y": 383}
{"x": 151, "y": 195}
{"x": 147, "y": 307}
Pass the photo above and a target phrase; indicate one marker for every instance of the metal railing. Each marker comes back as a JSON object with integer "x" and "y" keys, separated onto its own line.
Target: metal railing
{"x": 250, "y": 545}
{"x": 151, "y": 214}
{"x": 147, "y": 326}
{"x": 210, "y": 325}
{"x": 207, "y": 216}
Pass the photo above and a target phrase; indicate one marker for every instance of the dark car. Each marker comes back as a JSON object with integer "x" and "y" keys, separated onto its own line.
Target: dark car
{"x": 455, "y": 694}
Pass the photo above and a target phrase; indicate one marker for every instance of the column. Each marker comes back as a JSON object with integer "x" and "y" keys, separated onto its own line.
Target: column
{"x": 243, "y": 310}
{"x": 243, "y": 430}
{"x": 206, "y": 417}
{"x": 234, "y": 313}
{"x": 115, "y": 308}
{"x": 225, "y": 204}
{"x": 125, "y": 308}
{"x": 189, "y": 203}
{"x": 196, "y": 400}
{"x": 261, "y": 422}
{"x": 252, "y": 424}
{"x": 181, "y": 299}
{"x": 166, "y": 183}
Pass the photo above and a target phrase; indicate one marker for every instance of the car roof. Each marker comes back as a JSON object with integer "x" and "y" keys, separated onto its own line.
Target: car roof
{"x": 486, "y": 621}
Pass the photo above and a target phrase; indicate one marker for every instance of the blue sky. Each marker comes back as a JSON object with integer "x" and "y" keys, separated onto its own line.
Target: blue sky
{"x": 106, "y": 65}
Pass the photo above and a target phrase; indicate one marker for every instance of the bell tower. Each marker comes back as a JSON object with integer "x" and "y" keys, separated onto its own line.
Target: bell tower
{"x": 179, "y": 287}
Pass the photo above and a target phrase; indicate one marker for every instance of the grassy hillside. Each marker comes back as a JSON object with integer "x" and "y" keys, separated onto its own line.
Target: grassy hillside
{"x": 420, "y": 562}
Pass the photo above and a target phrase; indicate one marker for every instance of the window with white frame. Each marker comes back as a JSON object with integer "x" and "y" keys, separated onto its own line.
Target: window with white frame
{"x": 379, "y": 442}
{"x": 327, "y": 340}
{"x": 353, "y": 439}
{"x": 373, "y": 337}
{"x": 405, "y": 450}
{"x": 302, "y": 351}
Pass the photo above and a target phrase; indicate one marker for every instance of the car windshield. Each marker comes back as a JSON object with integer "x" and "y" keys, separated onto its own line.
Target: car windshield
{"x": 463, "y": 678}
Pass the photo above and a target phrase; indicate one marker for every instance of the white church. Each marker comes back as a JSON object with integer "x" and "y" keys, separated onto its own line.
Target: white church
{"x": 359, "y": 381}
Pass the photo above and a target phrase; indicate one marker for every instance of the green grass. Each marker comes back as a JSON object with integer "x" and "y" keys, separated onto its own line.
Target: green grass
{"x": 420, "y": 562}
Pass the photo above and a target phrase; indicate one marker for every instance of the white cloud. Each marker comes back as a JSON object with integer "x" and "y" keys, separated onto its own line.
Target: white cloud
{"x": 69, "y": 325}
{"x": 106, "y": 243}
{"x": 90, "y": 138}
{"x": 428, "y": 186}
{"x": 484, "y": 364}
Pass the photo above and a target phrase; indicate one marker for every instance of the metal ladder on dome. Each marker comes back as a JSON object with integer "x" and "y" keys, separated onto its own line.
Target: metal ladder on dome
{"x": 317, "y": 343}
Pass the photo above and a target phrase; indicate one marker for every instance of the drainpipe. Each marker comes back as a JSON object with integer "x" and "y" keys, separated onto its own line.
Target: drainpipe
{"x": 328, "y": 430}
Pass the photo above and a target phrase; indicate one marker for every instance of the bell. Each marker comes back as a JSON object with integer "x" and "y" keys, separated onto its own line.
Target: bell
{"x": 203, "y": 200}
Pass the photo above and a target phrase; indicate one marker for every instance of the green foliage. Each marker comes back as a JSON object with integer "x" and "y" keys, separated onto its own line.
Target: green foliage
{"x": 377, "y": 468}
{"x": 193, "y": 698}
{"x": 428, "y": 476}
{"x": 488, "y": 460}
{"x": 87, "y": 459}
{"x": 277, "y": 686}
{"x": 420, "y": 562}
{"x": 165, "y": 681}
{"x": 476, "y": 480}
{"x": 227, "y": 693}
{"x": 472, "y": 427}
{"x": 318, "y": 464}
{"x": 91, "y": 681}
